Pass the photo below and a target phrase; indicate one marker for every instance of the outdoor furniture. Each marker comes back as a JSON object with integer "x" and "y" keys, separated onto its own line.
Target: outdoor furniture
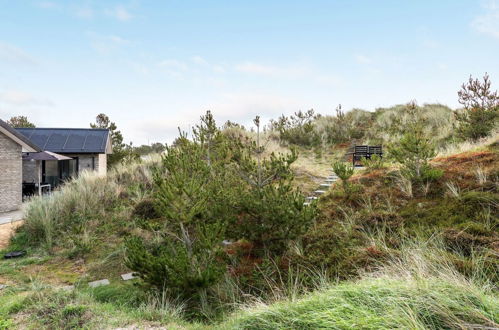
{"x": 361, "y": 152}
{"x": 47, "y": 187}
{"x": 29, "y": 189}
{"x": 39, "y": 158}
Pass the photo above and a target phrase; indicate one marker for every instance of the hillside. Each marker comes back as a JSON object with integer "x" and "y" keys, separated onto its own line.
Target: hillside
{"x": 377, "y": 250}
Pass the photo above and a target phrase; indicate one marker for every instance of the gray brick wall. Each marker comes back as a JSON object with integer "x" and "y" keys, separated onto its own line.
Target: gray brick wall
{"x": 10, "y": 174}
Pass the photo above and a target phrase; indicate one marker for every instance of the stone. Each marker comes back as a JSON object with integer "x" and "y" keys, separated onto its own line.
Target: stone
{"x": 319, "y": 192}
{"x": 306, "y": 203}
{"x": 95, "y": 284}
{"x": 127, "y": 276}
{"x": 311, "y": 197}
{"x": 3, "y": 286}
{"x": 325, "y": 185}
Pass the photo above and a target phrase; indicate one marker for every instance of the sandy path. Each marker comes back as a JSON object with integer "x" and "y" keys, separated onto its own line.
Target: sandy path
{"x": 6, "y": 231}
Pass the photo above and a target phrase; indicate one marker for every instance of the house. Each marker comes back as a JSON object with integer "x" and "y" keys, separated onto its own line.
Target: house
{"x": 45, "y": 157}
{"x": 12, "y": 145}
{"x": 87, "y": 149}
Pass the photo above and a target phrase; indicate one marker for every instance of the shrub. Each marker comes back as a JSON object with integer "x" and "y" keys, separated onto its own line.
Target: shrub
{"x": 344, "y": 172}
{"x": 145, "y": 209}
{"x": 414, "y": 150}
{"x": 374, "y": 163}
{"x": 481, "y": 109}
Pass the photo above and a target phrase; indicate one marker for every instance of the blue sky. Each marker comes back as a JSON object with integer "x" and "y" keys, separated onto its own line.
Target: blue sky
{"x": 155, "y": 65}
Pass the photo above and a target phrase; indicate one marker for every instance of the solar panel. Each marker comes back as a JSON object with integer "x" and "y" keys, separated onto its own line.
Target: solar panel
{"x": 68, "y": 140}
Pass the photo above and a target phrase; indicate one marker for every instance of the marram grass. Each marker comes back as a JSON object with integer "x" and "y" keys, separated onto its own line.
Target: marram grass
{"x": 382, "y": 303}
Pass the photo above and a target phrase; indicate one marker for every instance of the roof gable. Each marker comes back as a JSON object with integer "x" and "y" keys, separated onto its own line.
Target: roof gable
{"x": 68, "y": 140}
{"x": 17, "y": 137}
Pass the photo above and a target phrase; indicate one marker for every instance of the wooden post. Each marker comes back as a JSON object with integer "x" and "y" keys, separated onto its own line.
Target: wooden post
{"x": 39, "y": 170}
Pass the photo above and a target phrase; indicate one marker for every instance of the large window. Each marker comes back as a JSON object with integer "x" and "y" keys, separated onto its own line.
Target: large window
{"x": 53, "y": 171}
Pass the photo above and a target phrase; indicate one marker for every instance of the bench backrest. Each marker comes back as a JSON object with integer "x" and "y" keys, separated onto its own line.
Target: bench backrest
{"x": 376, "y": 150}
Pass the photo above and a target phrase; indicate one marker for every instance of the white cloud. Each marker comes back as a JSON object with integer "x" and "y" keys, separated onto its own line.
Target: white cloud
{"x": 84, "y": 12}
{"x": 105, "y": 44}
{"x": 236, "y": 106}
{"x": 199, "y": 60}
{"x": 14, "y": 54}
{"x": 19, "y": 98}
{"x": 488, "y": 23}
{"x": 363, "y": 59}
{"x": 47, "y": 4}
{"x": 173, "y": 64}
{"x": 290, "y": 71}
{"x": 120, "y": 13}
{"x": 259, "y": 69}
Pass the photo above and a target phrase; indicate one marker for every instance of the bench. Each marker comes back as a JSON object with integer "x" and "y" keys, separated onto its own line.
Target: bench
{"x": 361, "y": 152}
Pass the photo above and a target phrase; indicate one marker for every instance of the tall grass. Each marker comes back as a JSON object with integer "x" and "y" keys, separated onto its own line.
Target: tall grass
{"x": 466, "y": 146}
{"x": 84, "y": 203}
{"x": 418, "y": 289}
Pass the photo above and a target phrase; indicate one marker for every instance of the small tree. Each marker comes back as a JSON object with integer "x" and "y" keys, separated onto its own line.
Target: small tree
{"x": 20, "y": 121}
{"x": 344, "y": 172}
{"x": 270, "y": 211}
{"x": 415, "y": 149}
{"x": 193, "y": 195}
{"x": 481, "y": 109}
{"x": 120, "y": 149}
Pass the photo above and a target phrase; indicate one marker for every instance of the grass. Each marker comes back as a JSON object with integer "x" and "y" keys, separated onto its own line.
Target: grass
{"x": 356, "y": 258}
{"x": 415, "y": 291}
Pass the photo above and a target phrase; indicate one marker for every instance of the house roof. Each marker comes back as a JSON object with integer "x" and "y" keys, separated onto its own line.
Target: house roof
{"x": 69, "y": 140}
{"x": 17, "y": 137}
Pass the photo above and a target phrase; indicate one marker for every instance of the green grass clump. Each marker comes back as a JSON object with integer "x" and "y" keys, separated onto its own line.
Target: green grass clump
{"x": 380, "y": 304}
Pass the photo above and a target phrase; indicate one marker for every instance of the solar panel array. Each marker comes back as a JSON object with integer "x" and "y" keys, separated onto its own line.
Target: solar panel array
{"x": 68, "y": 140}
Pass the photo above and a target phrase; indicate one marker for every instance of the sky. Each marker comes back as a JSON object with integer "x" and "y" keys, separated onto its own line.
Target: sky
{"x": 154, "y": 66}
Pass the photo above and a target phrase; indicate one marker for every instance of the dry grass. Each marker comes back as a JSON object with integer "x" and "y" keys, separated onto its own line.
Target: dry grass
{"x": 468, "y": 146}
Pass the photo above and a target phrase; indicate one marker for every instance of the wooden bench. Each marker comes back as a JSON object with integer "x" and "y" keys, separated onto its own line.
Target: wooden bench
{"x": 361, "y": 152}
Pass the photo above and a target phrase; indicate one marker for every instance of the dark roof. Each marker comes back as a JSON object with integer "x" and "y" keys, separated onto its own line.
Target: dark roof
{"x": 18, "y": 135}
{"x": 68, "y": 140}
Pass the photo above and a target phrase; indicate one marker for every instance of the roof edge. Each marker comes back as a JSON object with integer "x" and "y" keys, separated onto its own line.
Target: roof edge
{"x": 18, "y": 137}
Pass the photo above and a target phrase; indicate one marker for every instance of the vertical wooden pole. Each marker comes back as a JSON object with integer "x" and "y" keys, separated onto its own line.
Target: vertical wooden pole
{"x": 39, "y": 170}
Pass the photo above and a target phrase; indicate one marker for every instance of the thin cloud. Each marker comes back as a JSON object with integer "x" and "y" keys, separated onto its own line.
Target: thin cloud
{"x": 173, "y": 64}
{"x": 105, "y": 44}
{"x": 292, "y": 71}
{"x": 47, "y": 4}
{"x": 199, "y": 60}
{"x": 120, "y": 13}
{"x": 259, "y": 69}
{"x": 13, "y": 54}
{"x": 84, "y": 12}
{"x": 488, "y": 23}
{"x": 18, "y": 98}
{"x": 363, "y": 59}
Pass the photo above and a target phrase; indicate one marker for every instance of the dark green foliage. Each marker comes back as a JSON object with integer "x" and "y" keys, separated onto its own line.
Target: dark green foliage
{"x": 121, "y": 151}
{"x": 344, "y": 172}
{"x": 481, "y": 109}
{"x": 373, "y": 163}
{"x": 270, "y": 212}
{"x": 414, "y": 150}
{"x": 207, "y": 190}
{"x": 185, "y": 266}
{"x": 272, "y": 216}
{"x": 145, "y": 149}
{"x": 297, "y": 129}
{"x": 145, "y": 209}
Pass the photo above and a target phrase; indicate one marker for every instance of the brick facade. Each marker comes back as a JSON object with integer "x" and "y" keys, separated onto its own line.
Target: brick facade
{"x": 10, "y": 174}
